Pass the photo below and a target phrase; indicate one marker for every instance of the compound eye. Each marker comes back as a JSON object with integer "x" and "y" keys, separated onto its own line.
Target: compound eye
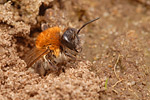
{"x": 68, "y": 38}
{"x": 70, "y": 33}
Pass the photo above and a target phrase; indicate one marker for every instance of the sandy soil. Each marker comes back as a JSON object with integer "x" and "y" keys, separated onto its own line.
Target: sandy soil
{"x": 114, "y": 63}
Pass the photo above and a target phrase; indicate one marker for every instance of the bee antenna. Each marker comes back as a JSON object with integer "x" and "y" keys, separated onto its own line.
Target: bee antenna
{"x": 87, "y": 24}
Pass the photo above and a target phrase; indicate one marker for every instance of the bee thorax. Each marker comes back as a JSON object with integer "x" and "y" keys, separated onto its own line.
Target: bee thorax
{"x": 62, "y": 58}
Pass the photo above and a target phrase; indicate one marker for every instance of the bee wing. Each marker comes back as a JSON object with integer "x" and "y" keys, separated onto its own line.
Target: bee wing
{"x": 33, "y": 55}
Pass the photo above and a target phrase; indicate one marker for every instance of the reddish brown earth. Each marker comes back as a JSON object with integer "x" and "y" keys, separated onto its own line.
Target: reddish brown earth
{"x": 114, "y": 63}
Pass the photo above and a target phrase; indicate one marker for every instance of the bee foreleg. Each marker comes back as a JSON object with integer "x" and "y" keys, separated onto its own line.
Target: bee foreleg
{"x": 69, "y": 55}
{"x": 52, "y": 65}
{"x": 45, "y": 57}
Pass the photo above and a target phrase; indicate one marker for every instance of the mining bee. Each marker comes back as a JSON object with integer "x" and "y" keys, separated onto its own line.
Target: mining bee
{"x": 53, "y": 50}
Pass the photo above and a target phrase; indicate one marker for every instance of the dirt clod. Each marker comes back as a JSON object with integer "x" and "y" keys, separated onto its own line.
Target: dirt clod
{"x": 114, "y": 63}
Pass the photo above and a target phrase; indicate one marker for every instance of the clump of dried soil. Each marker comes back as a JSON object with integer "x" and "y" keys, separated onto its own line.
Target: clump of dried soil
{"x": 76, "y": 83}
{"x": 118, "y": 46}
{"x": 18, "y": 20}
{"x": 123, "y": 65}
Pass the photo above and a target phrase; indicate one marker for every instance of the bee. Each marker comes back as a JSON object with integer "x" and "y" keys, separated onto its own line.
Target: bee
{"x": 53, "y": 50}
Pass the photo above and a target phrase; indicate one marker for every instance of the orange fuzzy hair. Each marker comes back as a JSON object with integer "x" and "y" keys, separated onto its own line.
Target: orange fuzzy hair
{"x": 49, "y": 38}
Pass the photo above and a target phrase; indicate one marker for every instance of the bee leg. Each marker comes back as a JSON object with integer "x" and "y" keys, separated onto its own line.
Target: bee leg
{"x": 69, "y": 55}
{"x": 52, "y": 65}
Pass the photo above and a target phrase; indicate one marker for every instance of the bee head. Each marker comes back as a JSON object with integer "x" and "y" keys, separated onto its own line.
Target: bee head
{"x": 70, "y": 37}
